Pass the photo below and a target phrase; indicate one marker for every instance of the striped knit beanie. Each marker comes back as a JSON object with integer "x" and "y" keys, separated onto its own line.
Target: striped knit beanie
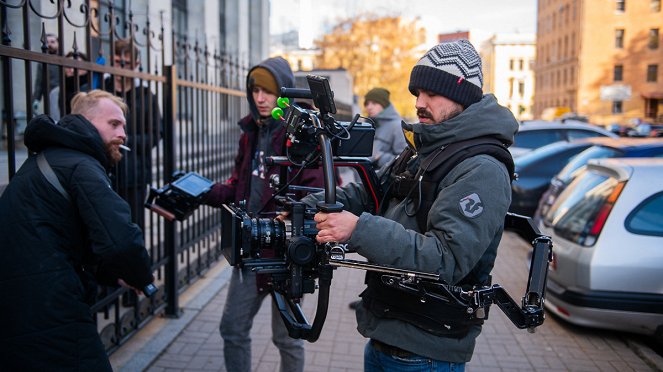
{"x": 452, "y": 70}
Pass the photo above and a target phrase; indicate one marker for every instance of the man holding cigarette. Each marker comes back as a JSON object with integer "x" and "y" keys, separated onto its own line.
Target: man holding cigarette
{"x": 63, "y": 230}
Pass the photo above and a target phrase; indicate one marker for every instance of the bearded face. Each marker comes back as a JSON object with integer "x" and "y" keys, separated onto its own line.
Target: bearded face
{"x": 113, "y": 151}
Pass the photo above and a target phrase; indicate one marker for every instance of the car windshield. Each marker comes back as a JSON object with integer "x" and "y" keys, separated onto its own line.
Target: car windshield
{"x": 577, "y": 207}
{"x": 595, "y": 152}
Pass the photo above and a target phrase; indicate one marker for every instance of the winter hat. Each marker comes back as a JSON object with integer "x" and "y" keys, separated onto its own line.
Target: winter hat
{"x": 452, "y": 70}
{"x": 377, "y": 95}
{"x": 262, "y": 77}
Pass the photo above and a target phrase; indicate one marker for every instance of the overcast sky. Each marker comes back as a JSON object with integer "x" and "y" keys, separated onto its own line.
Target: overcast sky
{"x": 437, "y": 16}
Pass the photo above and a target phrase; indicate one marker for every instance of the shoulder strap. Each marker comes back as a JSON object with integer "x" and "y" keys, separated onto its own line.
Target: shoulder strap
{"x": 437, "y": 165}
{"x": 442, "y": 162}
{"x": 47, "y": 171}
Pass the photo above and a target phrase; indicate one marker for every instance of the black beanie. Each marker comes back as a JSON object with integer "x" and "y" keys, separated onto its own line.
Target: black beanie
{"x": 452, "y": 70}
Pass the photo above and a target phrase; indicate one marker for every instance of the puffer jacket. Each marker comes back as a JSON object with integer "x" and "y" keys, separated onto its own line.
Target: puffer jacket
{"x": 54, "y": 250}
{"x": 455, "y": 242}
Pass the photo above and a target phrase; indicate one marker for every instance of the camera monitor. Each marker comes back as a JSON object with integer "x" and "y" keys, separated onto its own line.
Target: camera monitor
{"x": 193, "y": 184}
{"x": 323, "y": 97}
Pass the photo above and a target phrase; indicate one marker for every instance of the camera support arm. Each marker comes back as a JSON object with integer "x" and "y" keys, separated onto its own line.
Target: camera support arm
{"x": 476, "y": 301}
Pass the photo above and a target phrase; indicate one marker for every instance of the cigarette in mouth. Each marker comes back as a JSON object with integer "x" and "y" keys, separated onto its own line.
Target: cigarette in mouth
{"x": 125, "y": 148}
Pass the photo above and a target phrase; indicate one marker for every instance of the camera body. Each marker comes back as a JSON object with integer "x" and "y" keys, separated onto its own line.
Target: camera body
{"x": 180, "y": 198}
{"x": 284, "y": 249}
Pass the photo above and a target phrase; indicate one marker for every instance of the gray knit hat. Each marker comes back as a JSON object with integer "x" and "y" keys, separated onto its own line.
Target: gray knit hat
{"x": 452, "y": 70}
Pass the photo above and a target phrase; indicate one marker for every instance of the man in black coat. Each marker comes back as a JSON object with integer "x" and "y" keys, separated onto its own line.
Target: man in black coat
{"x": 62, "y": 234}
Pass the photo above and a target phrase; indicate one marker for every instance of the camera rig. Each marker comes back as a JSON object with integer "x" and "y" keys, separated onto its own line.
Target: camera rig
{"x": 298, "y": 261}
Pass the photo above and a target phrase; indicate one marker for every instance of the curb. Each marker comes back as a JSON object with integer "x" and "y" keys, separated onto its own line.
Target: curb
{"x": 650, "y": 357}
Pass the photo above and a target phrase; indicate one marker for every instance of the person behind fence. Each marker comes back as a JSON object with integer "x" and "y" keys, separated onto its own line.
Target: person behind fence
{"x": 72, "y": 85}
{"x": 63, "y": 231}
{"x": 144, "y": 128}
{"x": 450, "y": 226}
{"x": 43, "y": 86}
{"x": 261, "y": 137}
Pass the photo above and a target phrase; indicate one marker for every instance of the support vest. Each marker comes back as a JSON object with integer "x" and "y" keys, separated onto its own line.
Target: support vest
{"x": 438, "y": 317}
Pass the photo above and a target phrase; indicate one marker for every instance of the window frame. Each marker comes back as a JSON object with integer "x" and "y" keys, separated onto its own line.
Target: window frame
{"x": 653, "y": 39}
{"x": 617, "y": 107}
{"x": 618, "y": 73}
{"x": 652, "y": 73}
{"x": 619, "y": 38}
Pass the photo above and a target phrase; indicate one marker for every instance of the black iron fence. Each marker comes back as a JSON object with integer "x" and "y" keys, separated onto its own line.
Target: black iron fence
{"x": 184, "y": 99}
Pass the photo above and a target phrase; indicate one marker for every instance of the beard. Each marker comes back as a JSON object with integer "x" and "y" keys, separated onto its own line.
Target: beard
{"x": 449, "y": 114}
{"x": 113, "y": 152}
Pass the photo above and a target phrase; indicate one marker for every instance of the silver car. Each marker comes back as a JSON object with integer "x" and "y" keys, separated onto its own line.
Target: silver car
{"x": 607, "y": 229}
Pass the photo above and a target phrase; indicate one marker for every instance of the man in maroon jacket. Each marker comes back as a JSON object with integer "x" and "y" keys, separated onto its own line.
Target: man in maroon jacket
{"x": 262, "y": 136}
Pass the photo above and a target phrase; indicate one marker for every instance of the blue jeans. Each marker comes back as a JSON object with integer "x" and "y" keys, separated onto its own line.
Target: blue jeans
{"x": 376, "y": 361}
{"x": 242, "y": 305}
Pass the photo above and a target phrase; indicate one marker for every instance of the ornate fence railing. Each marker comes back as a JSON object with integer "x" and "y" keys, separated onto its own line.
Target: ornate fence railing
{"x": 189, "y": 116}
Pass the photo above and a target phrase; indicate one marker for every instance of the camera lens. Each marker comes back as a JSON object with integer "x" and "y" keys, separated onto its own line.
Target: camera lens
{"x": 266, "y": 234}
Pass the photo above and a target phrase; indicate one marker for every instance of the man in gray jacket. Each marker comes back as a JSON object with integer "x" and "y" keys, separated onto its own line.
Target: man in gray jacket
{"x": 463, "y": 225}
{"x": 389, "y": 140}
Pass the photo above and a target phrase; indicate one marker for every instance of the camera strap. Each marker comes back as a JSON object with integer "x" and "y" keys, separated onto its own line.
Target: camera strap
{"x": 47, "y": 171}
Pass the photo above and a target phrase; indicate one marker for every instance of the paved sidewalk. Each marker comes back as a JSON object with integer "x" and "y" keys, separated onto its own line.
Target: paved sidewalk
{"x": 192, "y": 342}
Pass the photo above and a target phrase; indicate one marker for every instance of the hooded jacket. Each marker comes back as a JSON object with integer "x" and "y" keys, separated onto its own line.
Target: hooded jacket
{"x": 53, "y": 249}
{"x": 238, "y": 186}
{"x": 457, "y": 241}
{"x": 389, "y": 140}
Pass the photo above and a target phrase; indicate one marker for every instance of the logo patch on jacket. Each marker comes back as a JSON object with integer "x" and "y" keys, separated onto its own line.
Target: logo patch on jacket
{"x": 471, "y": 205}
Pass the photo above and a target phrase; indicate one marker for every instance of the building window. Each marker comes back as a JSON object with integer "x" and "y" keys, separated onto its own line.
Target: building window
{"x": 652, "y": 73}
{"x": 618, "y": 74}
{"x": 653, "y": 38}
{"x": 620, "y": 5}
{"x": 521, "y": 64}
{"x": 619, "y": 38}
{"x": 521, "y": 88}
{"x": 617, "y": 107}
{"x": 655, "y": 5}
{"x": 511, "y": 64}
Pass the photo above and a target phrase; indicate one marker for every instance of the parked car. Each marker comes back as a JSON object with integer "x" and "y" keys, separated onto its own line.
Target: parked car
{"x": 646, "y": 130}
{"x": 608, "y": 255}
{"x": 536, "y": 168}
{"x": 602, "y": 148}
{"x": 536, "y": 133}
